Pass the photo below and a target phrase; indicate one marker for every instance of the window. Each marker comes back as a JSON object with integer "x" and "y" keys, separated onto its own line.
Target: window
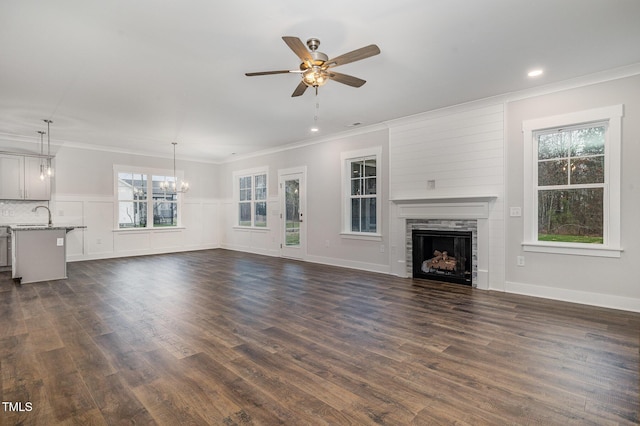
{"x": 252, "y": 198}
{"x": 572, "y": 183}
{"x": 361, "y": 202}
{"x": 142, "y": 195}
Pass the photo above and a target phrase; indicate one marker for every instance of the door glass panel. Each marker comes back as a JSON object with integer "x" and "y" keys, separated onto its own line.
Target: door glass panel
{"x": 292, "y": 212}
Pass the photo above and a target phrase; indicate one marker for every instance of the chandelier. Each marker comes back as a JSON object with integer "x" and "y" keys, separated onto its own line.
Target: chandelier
{"x": 173, "y": 186}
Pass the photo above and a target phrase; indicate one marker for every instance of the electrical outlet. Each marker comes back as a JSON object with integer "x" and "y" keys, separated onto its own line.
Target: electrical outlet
{"x": 60, "y": 242}
{"x": 381, "y": 248}
{"x": 515, "y": 211}
{"x": 327, "y": 243}
{"x": 520, "y": 260}
{"x": 431, "y": 184}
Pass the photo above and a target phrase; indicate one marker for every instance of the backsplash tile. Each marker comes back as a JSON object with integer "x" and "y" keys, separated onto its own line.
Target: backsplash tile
{"x": 14, "y": 212}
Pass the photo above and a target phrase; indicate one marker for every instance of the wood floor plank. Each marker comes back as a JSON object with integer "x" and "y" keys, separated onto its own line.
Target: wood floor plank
{"x": 229, "y": 338}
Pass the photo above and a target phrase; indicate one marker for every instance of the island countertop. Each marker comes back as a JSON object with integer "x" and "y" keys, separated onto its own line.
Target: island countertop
{"x": 35, "y": 227}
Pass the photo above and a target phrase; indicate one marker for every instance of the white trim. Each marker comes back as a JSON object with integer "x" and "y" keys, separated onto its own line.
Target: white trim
{"x": 149, "y": 172}
{"x": 574, "y": 296}
{"x": 252, "y": 172}
{"x": 282, "y": 175}
{"x": 361, "y": 236}
{"x": 152, "y": 229}
{"x": 611, "y": 248}
{"x": 572, "y": 249}
{"x": 345, "y": 179}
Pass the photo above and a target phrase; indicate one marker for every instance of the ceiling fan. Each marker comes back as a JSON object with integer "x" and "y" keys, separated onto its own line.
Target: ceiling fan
{"x": 316, "y": 67}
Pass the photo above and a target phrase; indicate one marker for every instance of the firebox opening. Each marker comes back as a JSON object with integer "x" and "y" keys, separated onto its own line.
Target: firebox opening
{"x": 442, "y": 255}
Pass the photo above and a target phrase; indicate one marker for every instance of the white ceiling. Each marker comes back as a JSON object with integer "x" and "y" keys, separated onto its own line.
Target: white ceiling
{"x": 137, "y": 75}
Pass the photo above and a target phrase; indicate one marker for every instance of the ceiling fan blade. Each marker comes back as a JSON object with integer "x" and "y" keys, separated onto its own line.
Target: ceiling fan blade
{"x": 356, "y": 55}
{"x": 252, "y": 74}
{"x": 349, "y": 80}
{"x": 298, "y": 48}
{"x": 299, "y": 90}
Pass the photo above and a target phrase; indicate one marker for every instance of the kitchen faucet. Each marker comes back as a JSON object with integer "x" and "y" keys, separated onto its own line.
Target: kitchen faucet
{"x": 48, "y": 211}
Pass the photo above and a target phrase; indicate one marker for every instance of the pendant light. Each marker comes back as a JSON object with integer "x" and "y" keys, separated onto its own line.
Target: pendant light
{"x": 184, "y": 185}
{"x": 41, "y": 154}
{"x": 49, "y": 169}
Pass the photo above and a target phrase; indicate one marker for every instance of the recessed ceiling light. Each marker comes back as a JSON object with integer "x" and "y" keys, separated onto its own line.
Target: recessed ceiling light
{"x": 314, "y": 129}
{"x": 535, "y": 73}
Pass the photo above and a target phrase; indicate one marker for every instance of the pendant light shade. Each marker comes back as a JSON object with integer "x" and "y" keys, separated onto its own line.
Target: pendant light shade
{"x": 42, "y": 165}
{"x": 49, "y": 168}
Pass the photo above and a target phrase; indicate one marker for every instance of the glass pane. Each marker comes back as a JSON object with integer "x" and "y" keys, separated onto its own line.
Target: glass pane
{"x": 245, "y": 214}
{"x": 552, "y": 172}
{"x": 165, "y": 213}
{"x": 292, "y": 212}
{"x": 370, "y": 186}
{"x": 552, "y": 145}
{"x": 245, "y": 194}
{"x": 368, "y": 221}
{"x": 132, "y": 186}
{"x": 132, "y": 214}
{"x": 261, "y": 193}
{"x": 356, "y": 169}
{"x": 588, "y": 141}
{"x": 261, "y": 187}
{"x": 587, "y": 170}
{"x": 355, "y": 214}
{"x": 574, "y": 215}
{"x": 356, "y": 186}
{"x": 245, "y": 182}
{"x": 370, "y": 167}
{"x": 260, "y": 181}
{"x": 261, "y": 214}
{"x": 163, "y": 187}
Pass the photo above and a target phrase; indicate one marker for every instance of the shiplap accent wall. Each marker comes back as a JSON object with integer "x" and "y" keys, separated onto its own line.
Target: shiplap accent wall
{"x": 462, "y": 151}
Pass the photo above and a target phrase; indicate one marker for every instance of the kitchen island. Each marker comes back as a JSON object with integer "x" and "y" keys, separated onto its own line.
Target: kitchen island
{"x": 39, "y": 252}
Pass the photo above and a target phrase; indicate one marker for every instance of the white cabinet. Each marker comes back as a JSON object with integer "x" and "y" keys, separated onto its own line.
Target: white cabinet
{"x": 20, "y": 178}
{"x": 34, "y": 187}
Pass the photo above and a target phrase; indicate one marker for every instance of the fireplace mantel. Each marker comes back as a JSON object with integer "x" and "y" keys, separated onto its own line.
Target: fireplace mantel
{"x": 444, "y": 206}
{"x": 444, "y": 198}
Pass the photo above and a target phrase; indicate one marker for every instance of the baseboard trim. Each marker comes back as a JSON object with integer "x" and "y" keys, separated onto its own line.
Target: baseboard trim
{"x": 574, "y": 296}
{"x": 362, "y": 266}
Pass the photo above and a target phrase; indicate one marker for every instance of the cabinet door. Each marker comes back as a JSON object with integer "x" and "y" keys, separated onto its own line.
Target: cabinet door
{"x": 11, "y": 177}
{"x": 34, "y": 187}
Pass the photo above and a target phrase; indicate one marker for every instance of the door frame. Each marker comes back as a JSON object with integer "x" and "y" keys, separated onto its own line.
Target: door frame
{"x": 283, "y": 174}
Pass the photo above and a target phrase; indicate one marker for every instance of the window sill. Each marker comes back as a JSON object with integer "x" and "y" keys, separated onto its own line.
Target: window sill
{"x": 361, "y": 236}
{"x": 572, "y": 249}
{"x": 159, "y": 228}
{"x": 252, "y": 228}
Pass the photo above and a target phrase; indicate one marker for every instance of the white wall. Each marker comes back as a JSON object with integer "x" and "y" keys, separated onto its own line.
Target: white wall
{"x": 83, "y": 194}
{"x": 323, "y": 216}
{"x": 611, "y": 282}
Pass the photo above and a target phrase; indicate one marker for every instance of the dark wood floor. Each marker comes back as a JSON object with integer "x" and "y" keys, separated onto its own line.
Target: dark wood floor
{"x": 225, "y": 338}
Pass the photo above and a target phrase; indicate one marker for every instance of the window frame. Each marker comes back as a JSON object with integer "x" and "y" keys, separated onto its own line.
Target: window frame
{"x": 150, "y": 173}
{"x": 346, "y": 159}
{"x": 612, "y": 116}
{"x": 253, "y": 201}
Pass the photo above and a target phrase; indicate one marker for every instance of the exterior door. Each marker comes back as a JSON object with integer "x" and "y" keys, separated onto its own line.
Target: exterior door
{"x": 293, "y": 213}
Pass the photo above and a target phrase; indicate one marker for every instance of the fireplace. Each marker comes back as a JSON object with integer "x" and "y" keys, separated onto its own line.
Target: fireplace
{"x": 442, "y": 255}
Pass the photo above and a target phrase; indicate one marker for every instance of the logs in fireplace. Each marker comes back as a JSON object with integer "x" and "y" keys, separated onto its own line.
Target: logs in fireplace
{"x": 442, "y": 255}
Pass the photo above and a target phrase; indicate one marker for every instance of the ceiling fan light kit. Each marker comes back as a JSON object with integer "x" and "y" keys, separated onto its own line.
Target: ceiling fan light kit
{"x": 315, "y": 66}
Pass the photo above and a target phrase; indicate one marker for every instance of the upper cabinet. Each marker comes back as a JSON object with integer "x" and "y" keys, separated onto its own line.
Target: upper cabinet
{"x": 20, "y": 178}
